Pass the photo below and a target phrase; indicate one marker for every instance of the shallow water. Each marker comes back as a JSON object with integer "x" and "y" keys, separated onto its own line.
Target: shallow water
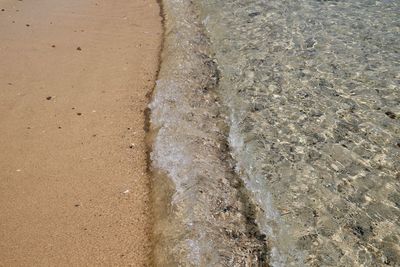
{"x": 203, "y": 217}
{"x": 307, "y": 95}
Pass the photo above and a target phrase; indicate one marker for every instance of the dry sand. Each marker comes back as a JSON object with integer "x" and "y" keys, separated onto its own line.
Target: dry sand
{"x": 73, "y": 81}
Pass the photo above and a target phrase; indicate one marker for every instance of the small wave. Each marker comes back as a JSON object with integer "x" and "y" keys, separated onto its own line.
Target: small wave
{"x": 203, "y": 215}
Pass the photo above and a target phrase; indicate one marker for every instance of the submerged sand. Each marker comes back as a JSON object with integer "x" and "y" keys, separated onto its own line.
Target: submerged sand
{"x": 73, "y": 82}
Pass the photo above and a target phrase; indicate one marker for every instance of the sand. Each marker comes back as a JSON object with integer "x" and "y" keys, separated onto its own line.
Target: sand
{"x": 73, "y": 82}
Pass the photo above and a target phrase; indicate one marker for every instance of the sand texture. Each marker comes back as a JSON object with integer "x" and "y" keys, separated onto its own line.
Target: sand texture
{"x": 73, "y": 82}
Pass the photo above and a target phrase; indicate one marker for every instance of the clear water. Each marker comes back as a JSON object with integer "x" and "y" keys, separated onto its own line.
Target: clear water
{"x": 203, "y": 215}
{"x": 277, "y": 131}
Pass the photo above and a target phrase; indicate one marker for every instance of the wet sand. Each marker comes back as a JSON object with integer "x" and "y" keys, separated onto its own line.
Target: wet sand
{"x": 73, "y": 82}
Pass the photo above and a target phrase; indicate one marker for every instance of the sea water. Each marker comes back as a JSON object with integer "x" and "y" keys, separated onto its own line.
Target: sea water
{"x": 277, "y": 134}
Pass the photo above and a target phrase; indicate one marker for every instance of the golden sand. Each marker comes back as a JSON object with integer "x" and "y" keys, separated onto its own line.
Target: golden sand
{"x": 73, "y": 82}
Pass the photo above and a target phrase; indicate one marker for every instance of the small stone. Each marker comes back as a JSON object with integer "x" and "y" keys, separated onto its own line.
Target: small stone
{"x": 79, "y": 114}
{"x": 390, "y": 114}
{"x": 310, "y": 42}
{"x": 48, "y": 98}
{"x": 79, "y": 48}
{"x": 254, "y": 14}
{"x": 27, "y": 25}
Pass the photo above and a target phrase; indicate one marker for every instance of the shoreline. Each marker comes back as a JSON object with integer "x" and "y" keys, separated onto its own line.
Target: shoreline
{"x": 74, "y": 180}
{"x": 198, "y": 198}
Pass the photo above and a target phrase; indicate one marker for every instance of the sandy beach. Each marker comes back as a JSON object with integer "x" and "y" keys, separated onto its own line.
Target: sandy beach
{"x": 74, "y": 76}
